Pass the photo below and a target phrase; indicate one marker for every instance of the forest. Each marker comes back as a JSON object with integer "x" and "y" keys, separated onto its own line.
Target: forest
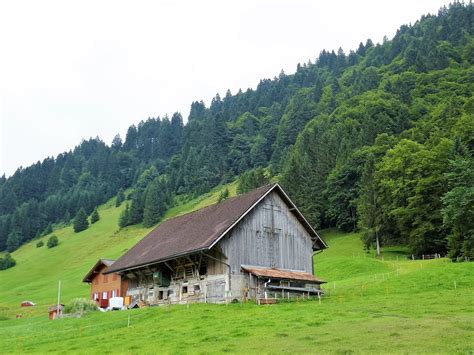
{"x": 379, "y": 140}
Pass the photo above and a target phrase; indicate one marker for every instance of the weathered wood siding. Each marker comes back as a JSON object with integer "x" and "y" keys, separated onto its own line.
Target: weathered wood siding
{"x": 269, "y": 236}
{"x": 215, "y": 267}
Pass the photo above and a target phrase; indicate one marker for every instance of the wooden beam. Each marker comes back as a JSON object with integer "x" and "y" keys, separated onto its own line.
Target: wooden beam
{"x": 169, "y": 267}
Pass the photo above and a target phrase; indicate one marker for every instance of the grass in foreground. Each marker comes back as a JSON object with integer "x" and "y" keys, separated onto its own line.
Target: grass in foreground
{"x": 371, "y": 305}
{"x": 401, "y": 307}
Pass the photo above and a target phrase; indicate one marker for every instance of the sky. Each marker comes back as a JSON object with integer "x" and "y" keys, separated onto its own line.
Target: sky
{"x": 71, "y": 70}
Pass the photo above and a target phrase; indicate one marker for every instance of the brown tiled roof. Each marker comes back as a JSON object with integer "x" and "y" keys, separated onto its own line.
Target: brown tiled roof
{"x": 281, "y": 274}
{"x": 90, "y": 275}
{"x": 198, "y": 230}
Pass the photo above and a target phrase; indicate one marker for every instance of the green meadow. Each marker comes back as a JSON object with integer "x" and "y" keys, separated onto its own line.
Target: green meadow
{"x": 372, "y": 305}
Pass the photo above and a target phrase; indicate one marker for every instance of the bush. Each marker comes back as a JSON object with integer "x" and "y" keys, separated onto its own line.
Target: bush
{"x": 7, "y": 262}
{"x": 39, "y": 244}
{"x": 52, "y": 241}
{"x": 224, "y": 195}
{"x": 80, "y": 305}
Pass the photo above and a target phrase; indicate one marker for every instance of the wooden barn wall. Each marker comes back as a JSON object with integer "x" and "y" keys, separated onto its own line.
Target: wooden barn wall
{"x": 253, "y": 243}
{"x": 215, "y": 267}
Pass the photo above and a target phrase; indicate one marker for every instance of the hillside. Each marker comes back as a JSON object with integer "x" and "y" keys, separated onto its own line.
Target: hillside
{"x": 371, "y": 305}
{"x": 36, "y": 275}
{"x": 379, "y": 138}
{"x": 375, "y": 146}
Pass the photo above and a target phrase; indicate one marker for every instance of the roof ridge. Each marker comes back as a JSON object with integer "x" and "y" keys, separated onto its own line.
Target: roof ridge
{"x": 177, "y": 235}
{"x": 222, "y": 203}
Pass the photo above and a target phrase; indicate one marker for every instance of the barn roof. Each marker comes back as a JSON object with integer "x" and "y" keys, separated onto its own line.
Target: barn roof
{"x": 201, "y": 230}
{"x": 281, "y": 274}
{"x": 101, "y": 262}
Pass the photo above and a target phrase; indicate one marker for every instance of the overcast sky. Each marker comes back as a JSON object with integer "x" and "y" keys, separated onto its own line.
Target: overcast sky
{"x": 73, "y": 70}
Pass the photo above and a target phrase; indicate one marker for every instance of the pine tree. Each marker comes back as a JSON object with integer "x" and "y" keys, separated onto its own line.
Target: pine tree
{"x": 48, "y": 229}
{"x": 80, "y": 221}
{"x": 369, "y": 211}
{"x": 95, "y": 216}
{"x": 124, "y": 219}
{"x": 67, "y": 217}
{"x": 154, "y": 203}
{"x": 13, "y": 241}
{"x": 120, "y": 198}
{"x": 136, "y": 209}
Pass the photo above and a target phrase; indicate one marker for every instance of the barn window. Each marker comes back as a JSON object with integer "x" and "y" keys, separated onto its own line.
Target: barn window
{"x": 160, "y": 295}
{"x": 197, "y": 288}
{"x": 184, "y": 289}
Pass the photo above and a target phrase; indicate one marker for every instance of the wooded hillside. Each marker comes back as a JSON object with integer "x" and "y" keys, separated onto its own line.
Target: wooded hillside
{"x": 379, "y": 139}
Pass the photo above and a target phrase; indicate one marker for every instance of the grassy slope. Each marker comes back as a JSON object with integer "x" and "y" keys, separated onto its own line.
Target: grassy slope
{"x": 376, "y": 306}
{"x": 38, "y": 270}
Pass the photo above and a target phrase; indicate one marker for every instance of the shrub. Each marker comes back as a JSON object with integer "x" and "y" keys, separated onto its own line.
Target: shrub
{"x": 224, "y": 195}
{"x": 39, "y": 244}
{"x": 7, "y": 262}
{"x": 52, "y": 241}
{"x": 80, "y": 305}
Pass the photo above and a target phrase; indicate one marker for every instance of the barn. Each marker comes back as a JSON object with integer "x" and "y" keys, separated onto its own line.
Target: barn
{"x": 254, "y": 246}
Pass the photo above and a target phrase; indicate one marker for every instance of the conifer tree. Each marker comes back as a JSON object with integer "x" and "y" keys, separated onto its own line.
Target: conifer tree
{"x": 136, "y": 209}
{"x": 124, "y": 219}
{"x": 80, "y": 221}
{"x": 13, "y": 241}
{"x": 48, "y": 229}
{"x": 95, "y": 216}
{"x": 120, "y": 198}
{"x": 155, "y": 204}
